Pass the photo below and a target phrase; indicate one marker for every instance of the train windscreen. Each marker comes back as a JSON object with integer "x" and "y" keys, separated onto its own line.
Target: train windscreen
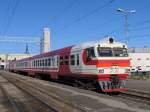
{"x": 112, "y": 52}
{"x": 120, "y": 52}
{"x": 105, "y": 52}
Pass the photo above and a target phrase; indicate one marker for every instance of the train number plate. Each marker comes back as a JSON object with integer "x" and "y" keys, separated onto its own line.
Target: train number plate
{"x": 114, "y": 69}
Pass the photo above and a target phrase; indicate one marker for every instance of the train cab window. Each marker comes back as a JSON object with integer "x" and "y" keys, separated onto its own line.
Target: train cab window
{"x": 72, "y": 59}
{"x": 90, "y": 53}
{"x": 104, "y": 51}
{"x": 77, "y": 59}
{"x": 120, "y": 52}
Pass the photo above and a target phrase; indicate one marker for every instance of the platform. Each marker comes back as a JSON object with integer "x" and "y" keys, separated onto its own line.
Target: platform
{"x": 141, "y": 85}
{"x": 88, "y": 101}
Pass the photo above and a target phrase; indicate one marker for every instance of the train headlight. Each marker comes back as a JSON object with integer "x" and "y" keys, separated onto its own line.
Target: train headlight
{"x": 101, "y": 70}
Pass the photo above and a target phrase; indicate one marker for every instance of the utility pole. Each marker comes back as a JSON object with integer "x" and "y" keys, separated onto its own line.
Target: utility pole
{"x": 126, "y": 26}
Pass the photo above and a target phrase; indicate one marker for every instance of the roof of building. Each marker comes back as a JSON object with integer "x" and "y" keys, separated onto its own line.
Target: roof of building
{"x": 139, "y": 50}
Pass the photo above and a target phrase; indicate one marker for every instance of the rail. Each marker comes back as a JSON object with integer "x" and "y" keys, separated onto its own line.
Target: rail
{"x": 141, "y": 96}
{"x": 49, "y": 99}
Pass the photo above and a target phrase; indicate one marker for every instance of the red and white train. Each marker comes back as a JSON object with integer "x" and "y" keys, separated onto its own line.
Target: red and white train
{"x": 102, "y": 64}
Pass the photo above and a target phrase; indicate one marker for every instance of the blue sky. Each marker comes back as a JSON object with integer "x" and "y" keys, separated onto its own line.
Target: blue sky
{"x": 72, "y": 22}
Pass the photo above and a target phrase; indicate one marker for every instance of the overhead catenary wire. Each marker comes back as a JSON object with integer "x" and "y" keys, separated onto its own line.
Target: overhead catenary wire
{"x": 13, "y": 11}
{"x": 141, "y": 23}
{"x": 87, "y": 15}
{"x": 59, "y": 14}
{"x": 6, "y": 15}
{"x": 140, "y": 28}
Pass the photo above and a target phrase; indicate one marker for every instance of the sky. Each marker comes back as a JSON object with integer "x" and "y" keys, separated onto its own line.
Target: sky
{"x": 72, "y": 22}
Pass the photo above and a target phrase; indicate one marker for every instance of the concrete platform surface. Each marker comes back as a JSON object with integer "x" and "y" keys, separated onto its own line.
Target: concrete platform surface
{"x": 89, "y": 100}
{"x": 141, "y": 85}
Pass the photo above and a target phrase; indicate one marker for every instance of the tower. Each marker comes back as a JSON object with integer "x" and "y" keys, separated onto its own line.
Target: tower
{"x": 45, "y": 41}
{"x": 27, "y": 49}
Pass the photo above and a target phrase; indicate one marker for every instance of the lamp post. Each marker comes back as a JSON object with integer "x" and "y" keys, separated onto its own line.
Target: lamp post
{"x": 126, "y": 14}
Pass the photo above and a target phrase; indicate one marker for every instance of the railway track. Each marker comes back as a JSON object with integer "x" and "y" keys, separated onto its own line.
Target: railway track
{"x": 136, "y": 95}
{"x": 48, "y": 99}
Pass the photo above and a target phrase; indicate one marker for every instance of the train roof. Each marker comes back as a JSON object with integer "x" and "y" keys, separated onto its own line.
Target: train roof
{"x": 105, "y": 41}
{"x": 54, "y": 52}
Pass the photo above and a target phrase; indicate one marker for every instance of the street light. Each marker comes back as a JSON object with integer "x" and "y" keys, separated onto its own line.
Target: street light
{"x": 126, "y": 14}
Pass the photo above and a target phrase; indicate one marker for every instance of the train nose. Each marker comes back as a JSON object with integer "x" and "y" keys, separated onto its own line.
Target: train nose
{"x": 113, "y": 84}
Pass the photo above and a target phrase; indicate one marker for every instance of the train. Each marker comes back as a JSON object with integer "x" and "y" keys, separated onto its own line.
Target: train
{"x": 104, "y": 65}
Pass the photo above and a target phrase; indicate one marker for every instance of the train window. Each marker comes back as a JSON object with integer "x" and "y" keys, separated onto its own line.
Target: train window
{"x": 72, "y": 59}
{"x": 46, "y": 60}
{"x": 104, "y": 52}
{"x": 77, "y": 59}
{"x": 49, "y": 62}
{"x": 40, "y": 62}
{"x": 33, "y": 63}
{"x": 120, "y": 52}
{"x": 90, "y": 52}
{"x": 66, "y": 60}
{"x": 57, "y": 60}
{"x": 61, "y": 60}
{"x": 52, "y": 61}
{"x": 36, "y": 63}
{"x": 26, "y": 64}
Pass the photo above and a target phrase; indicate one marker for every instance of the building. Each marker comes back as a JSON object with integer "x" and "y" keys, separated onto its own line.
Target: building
{"x": 44, "y": 45}
{"x": 140, "y": 59}
{"x": 5, "y": 58}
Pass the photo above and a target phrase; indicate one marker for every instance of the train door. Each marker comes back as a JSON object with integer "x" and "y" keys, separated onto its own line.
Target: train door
{"x": 76, "y": 61}
{"x": 64, "y": 65}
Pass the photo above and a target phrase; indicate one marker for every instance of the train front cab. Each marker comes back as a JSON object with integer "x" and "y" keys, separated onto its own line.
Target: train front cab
{"x": 112, "y": 66}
